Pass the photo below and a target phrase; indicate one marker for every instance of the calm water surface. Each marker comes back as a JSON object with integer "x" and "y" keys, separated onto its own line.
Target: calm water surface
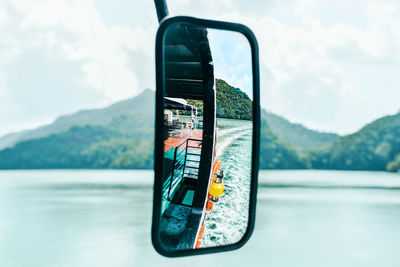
{"x": 103, "y": 218}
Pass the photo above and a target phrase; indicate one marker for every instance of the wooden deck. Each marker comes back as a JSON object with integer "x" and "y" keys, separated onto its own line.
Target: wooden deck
{"x": 175, "y": 141}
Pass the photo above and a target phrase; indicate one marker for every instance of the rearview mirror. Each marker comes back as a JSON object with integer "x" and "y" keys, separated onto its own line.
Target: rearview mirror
{"x": 207, "y": 136}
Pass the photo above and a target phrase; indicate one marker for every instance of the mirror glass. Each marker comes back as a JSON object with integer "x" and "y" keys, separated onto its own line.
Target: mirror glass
{"x": 208, "y": 127}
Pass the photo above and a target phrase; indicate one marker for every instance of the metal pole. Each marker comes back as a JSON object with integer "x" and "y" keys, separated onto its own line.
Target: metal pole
{"x": 184, "y": 163}
{"x": 172, "y": 173}
{"x": 161, "y": 8}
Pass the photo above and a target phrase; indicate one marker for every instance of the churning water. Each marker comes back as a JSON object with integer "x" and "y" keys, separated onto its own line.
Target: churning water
{"x": 227, "y": 222}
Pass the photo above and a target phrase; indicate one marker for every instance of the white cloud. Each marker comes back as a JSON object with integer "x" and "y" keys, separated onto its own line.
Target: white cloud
{"x": 315, "y": 72}
{"x": 333, "y": 65}
{"x": 72, "y": 32}
{"x": 103, "y": 48}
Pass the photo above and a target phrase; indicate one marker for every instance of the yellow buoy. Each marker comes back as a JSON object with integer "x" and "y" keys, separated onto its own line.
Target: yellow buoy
{"x": 216, "y": 190}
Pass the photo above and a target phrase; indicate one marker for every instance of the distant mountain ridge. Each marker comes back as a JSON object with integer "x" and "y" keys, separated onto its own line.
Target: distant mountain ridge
{"x": 141, "y": 104}
{"x": 297, "y": 135}
{"x": 294, "y": 134}
{"x": 375, "y": 147}
{"x": 276, "y": 153}
{"x": 118, "y": 136}
{"x": 121, "y": 136}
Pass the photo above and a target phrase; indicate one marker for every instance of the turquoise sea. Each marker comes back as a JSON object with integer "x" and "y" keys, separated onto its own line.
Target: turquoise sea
{"x": 228, "y": 220}
{"x": 103, "y": 218}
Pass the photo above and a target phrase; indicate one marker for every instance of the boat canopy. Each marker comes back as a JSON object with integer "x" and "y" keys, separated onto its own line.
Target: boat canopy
{"x": 177, "y": 103}
{"x": 189, "y": 67}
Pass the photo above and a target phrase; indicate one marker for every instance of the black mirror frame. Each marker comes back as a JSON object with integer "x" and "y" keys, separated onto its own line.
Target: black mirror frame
{"x": 159, "y": 135}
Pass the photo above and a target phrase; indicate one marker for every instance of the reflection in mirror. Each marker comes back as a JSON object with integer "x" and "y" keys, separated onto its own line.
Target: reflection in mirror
{"x": 208, "y": 137}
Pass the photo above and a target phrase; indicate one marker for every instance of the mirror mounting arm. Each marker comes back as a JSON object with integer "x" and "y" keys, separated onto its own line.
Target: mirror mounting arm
{"x": 161, "y": 8}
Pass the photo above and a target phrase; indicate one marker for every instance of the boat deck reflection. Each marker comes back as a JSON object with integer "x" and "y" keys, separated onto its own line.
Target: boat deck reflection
{"x": 174, "y": 141}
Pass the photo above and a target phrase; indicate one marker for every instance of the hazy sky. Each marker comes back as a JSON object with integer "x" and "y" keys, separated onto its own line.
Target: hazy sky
{"x": 331, "y": 65}
{"x": 231, "y": 53}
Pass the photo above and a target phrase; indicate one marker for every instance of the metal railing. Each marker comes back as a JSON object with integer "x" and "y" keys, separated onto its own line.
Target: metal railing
{"x": 180, "y": 167}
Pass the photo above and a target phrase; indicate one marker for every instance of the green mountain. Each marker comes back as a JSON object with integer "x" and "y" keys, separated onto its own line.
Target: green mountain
{"x": 118, "y": 136}
{"x": 121, "y": 136}
{"x": 275, "y": 153}
{"x": 134, "y": 112}
{"x": 231, "y": 102}
{"x": 80, "y": 147}
{"x": 297, "y": 135}
{"x": 375, "y": 147}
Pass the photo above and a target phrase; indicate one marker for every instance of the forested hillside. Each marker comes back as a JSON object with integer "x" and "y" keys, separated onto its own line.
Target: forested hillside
{"x": 232, "y": 103}
{"x": 375, "y": 147}
{"x": 276, "y": 154}
{"x": 135, "y": 109}
{"x": 116, "y": 147}
{"x": 118, "y": 136}
{"x": 121, "y": 136}
{"x": 85, "y": 147}
{"x": 297, "y": 135}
